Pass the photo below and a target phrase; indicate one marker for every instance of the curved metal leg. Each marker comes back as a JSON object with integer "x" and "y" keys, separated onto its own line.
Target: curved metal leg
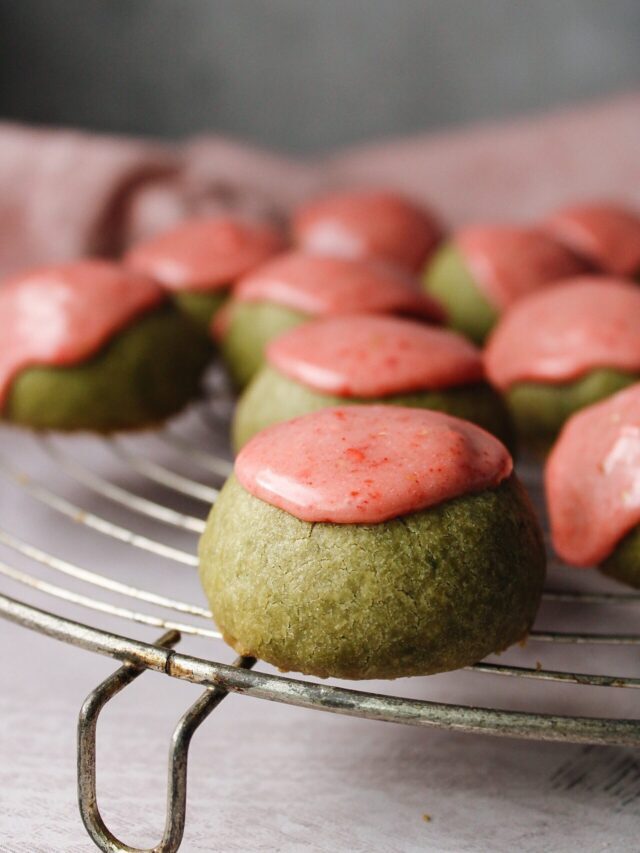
{"x": 178, "y": 757}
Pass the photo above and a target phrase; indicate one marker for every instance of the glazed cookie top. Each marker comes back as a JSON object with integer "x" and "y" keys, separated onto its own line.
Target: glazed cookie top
{"x": 61, "y": 315}
{"x": 606, "y": 234}
{"x": 508, "y": 262}
{"x": 368, "y": 224}
{"x": 319, "y": 285}
{"x": 560, "y": 334}
{"x": 592, "y": 479}
{"x": 205, "y": 254}
{"x": 368, "y": 464}
{"x": 374, "y": 356}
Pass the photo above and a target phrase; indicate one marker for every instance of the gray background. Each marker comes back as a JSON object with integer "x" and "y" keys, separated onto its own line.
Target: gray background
{"x": 306, "y": 75}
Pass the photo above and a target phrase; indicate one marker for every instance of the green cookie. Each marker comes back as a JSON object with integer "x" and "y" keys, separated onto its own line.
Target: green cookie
{"x": 251, "y": 326}
{"x": 432, "y": 591}
{"x": 624, "y": 563}
{"x": 201, "y": 307}
{"x": 540, "y": 409}
{"x": 271, "y": 398}
{"x": 448, "y": 279}
{"x": 144, "y": 374}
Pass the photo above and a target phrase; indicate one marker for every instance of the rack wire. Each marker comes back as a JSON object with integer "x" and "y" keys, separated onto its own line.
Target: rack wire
{"x": 150, "y": 496}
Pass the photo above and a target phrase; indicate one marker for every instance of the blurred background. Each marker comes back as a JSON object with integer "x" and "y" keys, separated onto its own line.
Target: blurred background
{"x": 303, "y": 76}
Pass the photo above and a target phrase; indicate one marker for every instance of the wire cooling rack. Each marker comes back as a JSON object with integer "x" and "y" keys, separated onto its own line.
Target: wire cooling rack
{"x": 115, "y": 491}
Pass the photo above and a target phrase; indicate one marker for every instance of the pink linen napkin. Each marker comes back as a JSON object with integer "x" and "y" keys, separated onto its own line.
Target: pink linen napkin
{"x": 66, "y": 193}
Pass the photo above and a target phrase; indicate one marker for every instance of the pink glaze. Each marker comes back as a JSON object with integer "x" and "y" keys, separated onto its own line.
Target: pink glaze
{"x": 63, "y": 314}
{"x": 508, "y": 262}
{"x": 319, "y": 285}
{"x": 605, "y": 234}
{"x": 561, "y": 334}
{"x": 205, "y": 254}
{"x": 592, "y": 479}
{"x": 374, "y": 356}
{"x": 368, "y": 224}
{"x": 367, "y": 464}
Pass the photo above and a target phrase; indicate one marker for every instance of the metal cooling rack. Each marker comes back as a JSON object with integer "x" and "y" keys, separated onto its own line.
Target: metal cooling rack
{"x": 168, "y": 482}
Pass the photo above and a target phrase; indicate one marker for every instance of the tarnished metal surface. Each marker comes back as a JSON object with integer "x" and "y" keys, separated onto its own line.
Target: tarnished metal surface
{"x": 337, "y": 700}
{"x": 178, "y": 756}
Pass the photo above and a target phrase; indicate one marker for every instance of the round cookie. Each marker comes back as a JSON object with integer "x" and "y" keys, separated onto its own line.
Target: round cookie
{"x": 369, "y": 359}
{"x": 372, "y": 542}
{"x": 370, "y": 224}
{"x": 562, "y": 349}
{"x": 296, "y": 287}
{"x": 485, "y": 269}
{"x": 90, "y": 345}
{"x": 592, "y": 481}
{"x": 605, "y": 234}
{"x": 200, "y": 260}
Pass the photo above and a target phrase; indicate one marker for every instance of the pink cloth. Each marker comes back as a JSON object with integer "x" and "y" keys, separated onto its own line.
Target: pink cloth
{"x": 66, "y": 193}
{"x": 513, "y": 171}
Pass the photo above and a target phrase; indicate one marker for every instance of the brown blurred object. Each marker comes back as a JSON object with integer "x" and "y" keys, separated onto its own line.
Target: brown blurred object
{"x": 65, "y": 193}
{"x": 222, "y": 176}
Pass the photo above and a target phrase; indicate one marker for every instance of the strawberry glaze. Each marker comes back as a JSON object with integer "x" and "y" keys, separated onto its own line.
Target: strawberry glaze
{"x": 592, "y": 479}
{"x": 560, "y": 334}
{"x": 205, "y": 254}
{"x": 63, "y": 314}
{"x": 368, "y": 464}
{"x": 374, "y": 356}
{"x": 509, "y": 262}
{"x": 319, "y": 285}
{"x": 605, "y": 234}
{"x": 368, "y": 224}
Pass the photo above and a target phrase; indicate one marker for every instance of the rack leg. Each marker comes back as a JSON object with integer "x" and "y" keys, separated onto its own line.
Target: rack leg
{"x": 178, "y": 757}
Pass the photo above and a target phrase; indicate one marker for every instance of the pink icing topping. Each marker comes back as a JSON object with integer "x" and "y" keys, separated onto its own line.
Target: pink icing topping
{"x": 374, "y": 356}
{"x": 319, "y": 285}
{"x": 592, "y": 479}
{"x": 560, "y": 334}
{"x": 367, "y": 464}
{"x": 62, "y": 314}
{"x": 368, "y": 224}
{"x": 606, "y": 234}
{"x": 205, "y": 254}
{"x": 509, "y": 262}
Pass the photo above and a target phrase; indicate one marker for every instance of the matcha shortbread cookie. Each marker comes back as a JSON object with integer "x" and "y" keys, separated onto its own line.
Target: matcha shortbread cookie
{"x": 483, "y": 270}
{"x": 90, "y": 345}
{"x": 199, "y": 261}
{"x": 592, "y": 481}
{"x": 371, "y": 224}
{"x": 605, "y": 234}
{"x": 560, "y": 350}
{"x": 372, "y": 542}
{"x": 372, "y": 359}
{"x": 294, "y": 288}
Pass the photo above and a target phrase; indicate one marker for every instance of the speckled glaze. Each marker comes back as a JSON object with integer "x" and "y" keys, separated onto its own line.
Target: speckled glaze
{"x": 563, "y": 333}
{"x": 371, "y": 224}
{"x": 368, "y": 464}
{"x": 592, "y": 479}
{"x": 205, "y": 254}
{"x": 318, "y": 285}
{"x": 509, "y": 262}
{"x": 374, "y": 356}
{"x": 604, "y": 233}
{"x": 61, "y": 315}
